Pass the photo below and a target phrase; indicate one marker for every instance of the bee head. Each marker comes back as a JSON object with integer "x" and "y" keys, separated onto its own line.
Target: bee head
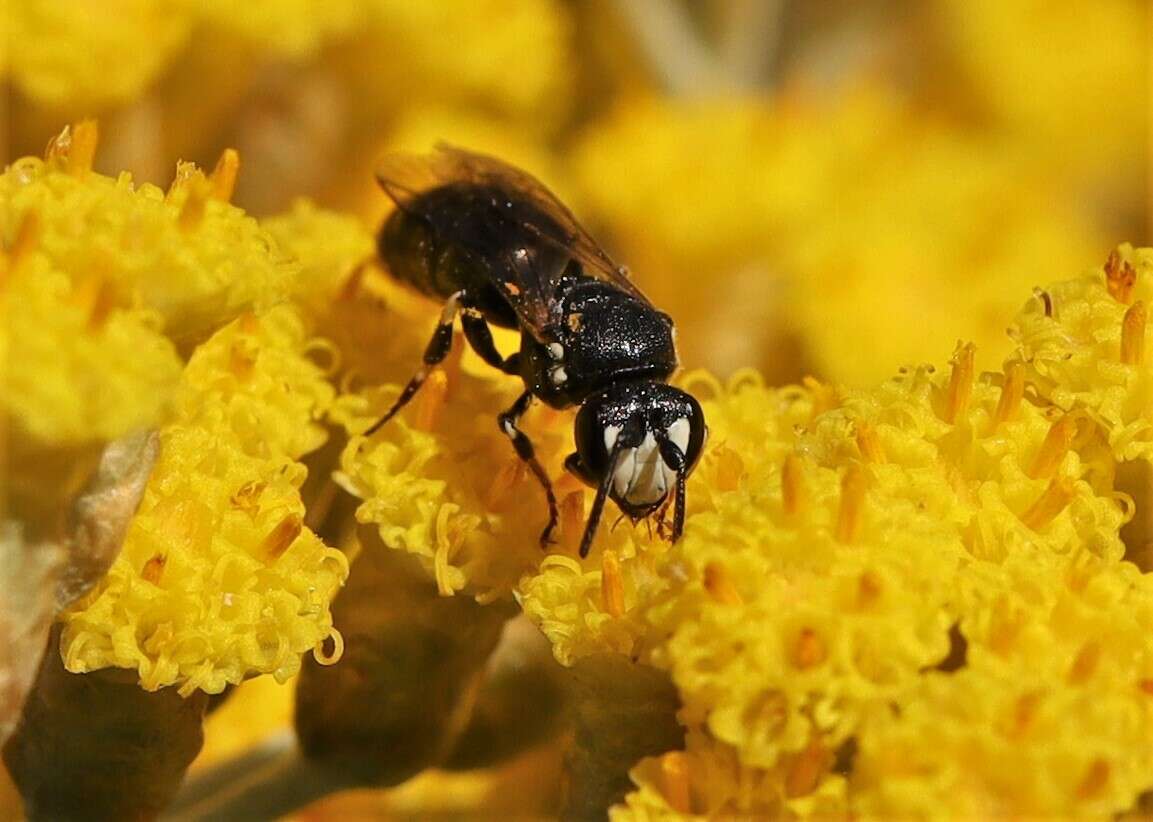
{"x": 640, "y": 441}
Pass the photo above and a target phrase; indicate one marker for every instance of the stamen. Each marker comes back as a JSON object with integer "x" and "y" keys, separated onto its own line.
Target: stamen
{"x": 508, "y": 477}
{"x": 730, "y": 468}
{"x": 56, "y": 152}
{"x": 1120, "y": 277}
{"x": 247, "y": 323}
{"x": 960, "y": 383}
{"x": 612, "y": 585}
{"x": 869, "y": 444}
{"x": 431, "y": 401}
{"x": 247, "y": 497}
{"x": 676, "y": 781}
{"x": 154, "y": 568}
{"x": 96, "y": 295}
{"x": 1085, "y": 663}
{"x": 282, "y": 536}
{"x": 809, "y": 650}
{"x": 1133, "y": 334}
{"x": 824, "y": 396}
{"x": 1054, "y": 448}
{"x": 85, "y": 136}
{"x": 1050, "y": 504}
{"x": 192, "y": 212}
{"x": 241, "y": 358}
{"x": 185, "y": 173}
{"x": 223, "y": 178}
{"x": 719, "y": 586}
{"x": 25, "y": 242}
{"x": 806, "y": 770}
{"x": 1012, "y": 392}
{"x": 1096, "y": 778}
{"x": 572, "y": 519}
{"x": 849, "y": 517}
{"x": 794, "y": 495}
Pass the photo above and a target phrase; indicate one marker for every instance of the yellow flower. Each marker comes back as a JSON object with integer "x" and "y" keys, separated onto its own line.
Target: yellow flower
{"x": 218, "y": 578}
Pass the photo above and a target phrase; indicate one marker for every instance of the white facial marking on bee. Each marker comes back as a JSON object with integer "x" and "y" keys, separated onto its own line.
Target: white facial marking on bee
{"x": 611, "y": 434}
{"x": 642, "y": 477}
{"x": 556, "y": 351}
{"x": 678, "y": 434}
{"x": 558, "y": 375}
{"x": 509, "y": 429}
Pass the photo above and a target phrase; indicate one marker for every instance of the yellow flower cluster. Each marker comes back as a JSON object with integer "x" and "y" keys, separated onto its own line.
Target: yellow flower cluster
{"x": 187, "y": 254}
{"x": 219, "y": 579}
{"x": 84, "y": 357}
{"x": 926, "y": 593}
{"x": 1084, "y": 342}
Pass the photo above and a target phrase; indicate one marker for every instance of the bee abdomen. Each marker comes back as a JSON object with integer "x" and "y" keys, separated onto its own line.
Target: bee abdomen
{"x": 414, "y": 255}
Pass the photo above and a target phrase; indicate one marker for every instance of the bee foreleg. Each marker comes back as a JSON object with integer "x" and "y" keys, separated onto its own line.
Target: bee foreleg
{"x": 524, "y": 449}
{"x": 675, "y": 459}
{"x": 477, "y": 332}
{"x": 437, "y": 349}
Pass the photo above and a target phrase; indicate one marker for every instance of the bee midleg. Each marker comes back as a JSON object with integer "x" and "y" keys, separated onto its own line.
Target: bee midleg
{"x": 523, "y": 445}
{"x": 437, "y": 349}
{"x": 477, "y": 332}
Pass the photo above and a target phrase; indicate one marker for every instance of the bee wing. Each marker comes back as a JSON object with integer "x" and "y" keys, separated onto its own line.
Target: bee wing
{"x": 551, "y": 233}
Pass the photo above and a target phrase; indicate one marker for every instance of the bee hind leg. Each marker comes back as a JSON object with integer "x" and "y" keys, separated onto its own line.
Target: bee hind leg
{"x": 437, "y": 349}
{"x": 524, "y": 449}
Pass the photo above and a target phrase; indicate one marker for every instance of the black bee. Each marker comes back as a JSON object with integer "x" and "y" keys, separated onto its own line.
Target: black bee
{"x": 499, "y": 248}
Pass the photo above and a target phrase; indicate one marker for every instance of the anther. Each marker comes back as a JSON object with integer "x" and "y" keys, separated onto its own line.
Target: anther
{"x": 1120, "y": 277}
{"x": 793, "y": 493}
{"x": 960, "y": 383}
{"x": 809, "y": 650}
{"x": 1096, "y": 778}
{"x": 192, "y": 212}
{"x": 282, "y": 536}
{"x": 223, "y": 177}
{"x": 869, "y": 444}
{"x": 806, "y": 770}
{"x": 241, "y": 358}
{"x": 850, "y": 514}
{"x": 81, "y": 153}
{"x": 25, "y": 242}
{"x": 720, "y": 586}
{"x": 612, "y": 585}
{"x": 1084, "y": 664}
{"x": 154, "y": 568}
{"x": 431, "y": 401}
{"x": 676, "y": 781}
{"x": 572, "y": 518}
{"x": 1012, "y": 392}
{"x": 1133, "y": 334}
{"x": 1050, "y": 504}
{"x": 507, "y": 478}
{"x": 730, "y": 468}
{"x": 1054, "y": 448}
